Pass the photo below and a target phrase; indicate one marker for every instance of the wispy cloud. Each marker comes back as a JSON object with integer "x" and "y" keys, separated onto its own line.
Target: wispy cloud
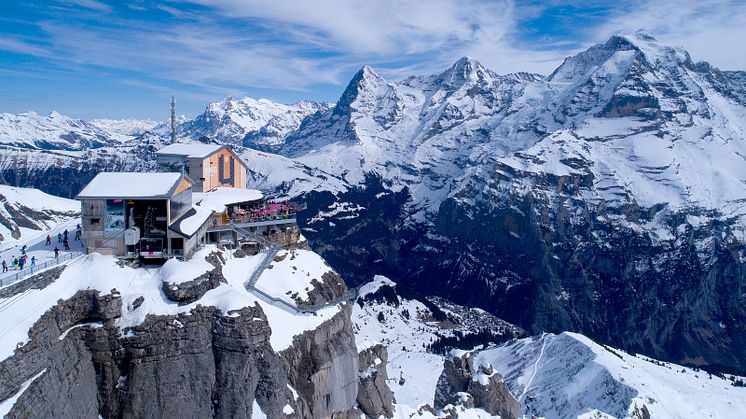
{"x": 88, "y": 4}
{"x": 429, "y": 36}
{"x": 12, "y": 44}
{"x": 711, "y": 30}
{"x": 216, "y": 47}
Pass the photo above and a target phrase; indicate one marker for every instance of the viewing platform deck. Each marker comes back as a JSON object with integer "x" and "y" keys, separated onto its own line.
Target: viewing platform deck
{"x": 248, "y": 224}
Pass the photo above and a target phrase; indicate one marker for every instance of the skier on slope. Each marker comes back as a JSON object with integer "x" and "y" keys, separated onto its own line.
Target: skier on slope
{"x": 5, "y": 266}
{"x": 56, "y": 252}
{"x": 59, "y": 237}
{"x": 49, "y": 239}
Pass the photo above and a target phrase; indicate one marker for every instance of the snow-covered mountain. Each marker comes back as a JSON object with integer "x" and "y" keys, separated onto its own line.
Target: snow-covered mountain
{"x": 129, "y": 126}
{"x": 258, "y": 123}
{"x": 39, "y": 151}
{"x": 605, "y": 198}
{"x": 569, "y": 375}
{"x": 566, "y": 375}
{"x": 28, "y": 213}
{"x": 54, "y": 132}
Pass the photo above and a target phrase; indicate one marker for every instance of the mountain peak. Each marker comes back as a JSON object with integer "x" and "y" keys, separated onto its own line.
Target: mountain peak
{"x": 463, "y": 70}
{"x": 54, "y": 115}
{"x": 365, "y": 79}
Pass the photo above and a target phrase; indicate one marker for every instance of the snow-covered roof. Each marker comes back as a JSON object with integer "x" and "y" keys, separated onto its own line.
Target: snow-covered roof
{"x": 196, "y": 150}
{"x": 131, "y": 185}
{"x": 191, "y": 221}
{"x": 217, "y": 199}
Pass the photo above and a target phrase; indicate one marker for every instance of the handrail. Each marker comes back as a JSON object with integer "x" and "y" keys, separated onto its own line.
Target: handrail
{"x": 12, "y": 278}
{"x": 272, "y": 250}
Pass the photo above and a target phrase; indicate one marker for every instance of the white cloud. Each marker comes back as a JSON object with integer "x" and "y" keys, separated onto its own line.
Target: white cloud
{"x": 203, "y": 55}
{"x": 227, "y": 46}
{"x": 13, "y": 44}
{"x": 711, "y": 30}
{"x": 432, "y": 34}
{"x": 88, "y": 4}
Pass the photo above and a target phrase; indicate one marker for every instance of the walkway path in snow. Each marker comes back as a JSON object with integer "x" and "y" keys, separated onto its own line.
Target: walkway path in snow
{"x": 37, "y": 247}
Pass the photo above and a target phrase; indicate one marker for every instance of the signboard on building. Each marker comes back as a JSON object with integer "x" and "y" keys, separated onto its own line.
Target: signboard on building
{"x": 114, "y": 218}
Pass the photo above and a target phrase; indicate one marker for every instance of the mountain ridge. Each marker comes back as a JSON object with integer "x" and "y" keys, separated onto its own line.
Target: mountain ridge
{"x": 606, "y": 198}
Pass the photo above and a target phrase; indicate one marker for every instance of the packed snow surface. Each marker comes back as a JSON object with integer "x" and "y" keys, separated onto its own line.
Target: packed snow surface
{"x": 18, "y": 313}
{"x": 192, "y": 220}
{"x": 569, "y": 375}
{"x": 195, "y": 150}
{"x": 216, "y": 199}
{"x": 291, "y": 275}
{"x": 130, "y": 185}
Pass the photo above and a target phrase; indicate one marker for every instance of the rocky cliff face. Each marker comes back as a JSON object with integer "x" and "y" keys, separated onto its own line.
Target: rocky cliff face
{"x": 202, "y": 363}
{"x": 484, "y": 386}
{"x": 374, "y": 396}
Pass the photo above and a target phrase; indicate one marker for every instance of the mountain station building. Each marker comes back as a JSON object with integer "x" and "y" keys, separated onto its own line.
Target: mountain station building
{"x": 150, "y": 215}
{"x": 208, "y": 165}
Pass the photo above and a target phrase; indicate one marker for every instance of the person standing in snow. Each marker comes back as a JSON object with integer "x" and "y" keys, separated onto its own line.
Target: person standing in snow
{"x": 5, "y": 266}
{"x": 14, "y": 263}
{"x": 77, "y": 235}
{"x": 65, "y": 233}
{"x": 56, "y": 252}
{"x": 49, "y": 239}
{"x": 66, "y": 243}
{"x": 59, "y": 237}
{"x": 23, "y": 250}
{"x": 20, "y": 263}
{"x": 33, "y": 261}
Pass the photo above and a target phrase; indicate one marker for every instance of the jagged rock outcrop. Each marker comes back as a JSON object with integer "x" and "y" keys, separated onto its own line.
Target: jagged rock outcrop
{"x": 60, "y": 365}
{"x": 202, "y": 363}
{"x": 331, "y": 288}
{"x": 187, "y": 292}
{"x": 285, "y": 236}
{"x": 461, "y": 384}
{"x": 374, "y": 397}
{"x": 322, "y": 366}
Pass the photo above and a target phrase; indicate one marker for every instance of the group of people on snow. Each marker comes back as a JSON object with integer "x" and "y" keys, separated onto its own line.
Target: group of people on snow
{"x": 18, "y": 262}
{"x": 21, "y": 261}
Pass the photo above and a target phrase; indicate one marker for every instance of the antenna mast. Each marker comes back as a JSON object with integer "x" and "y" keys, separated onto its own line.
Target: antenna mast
{"x": 173, "y": 120}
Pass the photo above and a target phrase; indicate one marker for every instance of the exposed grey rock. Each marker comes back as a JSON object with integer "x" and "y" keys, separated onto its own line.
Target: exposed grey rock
{"x": 456, "y": 375}
{"x": 331, "y": 288}
{"x": 322, "y": 366}
{"x": 461, "y": 384}
{"x": 190, "y": 291}
{"x": 196, "y": 364}
{"x": 67, "y": 388}
{"x": 492, "y": 394}
{"x": 374, "y": 397}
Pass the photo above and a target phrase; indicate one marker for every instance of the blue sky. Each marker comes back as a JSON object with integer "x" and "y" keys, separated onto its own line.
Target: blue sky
{"x": 101, "y": 58}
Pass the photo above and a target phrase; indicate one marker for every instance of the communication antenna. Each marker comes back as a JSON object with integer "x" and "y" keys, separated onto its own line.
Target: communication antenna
{"x": 173, "y": 120}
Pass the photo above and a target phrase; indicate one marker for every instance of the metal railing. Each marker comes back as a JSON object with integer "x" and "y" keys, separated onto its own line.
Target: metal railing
{"x": 271, "y": 251}
{"x": 12, "y": 277}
